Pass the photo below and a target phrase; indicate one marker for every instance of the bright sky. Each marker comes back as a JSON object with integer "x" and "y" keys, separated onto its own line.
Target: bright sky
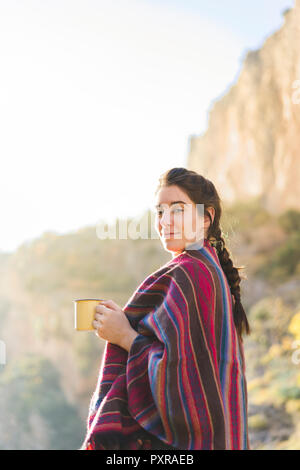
{"x": 99, "y": 97}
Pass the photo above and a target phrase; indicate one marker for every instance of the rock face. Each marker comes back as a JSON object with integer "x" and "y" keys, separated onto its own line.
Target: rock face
{"x": 252, "y": 145}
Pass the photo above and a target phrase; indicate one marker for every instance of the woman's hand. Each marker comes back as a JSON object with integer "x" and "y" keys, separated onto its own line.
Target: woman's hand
{"x": 112, "y": 325}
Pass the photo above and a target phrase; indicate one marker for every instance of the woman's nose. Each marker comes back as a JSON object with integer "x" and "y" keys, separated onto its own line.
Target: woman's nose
{"x": 165, "y": 219}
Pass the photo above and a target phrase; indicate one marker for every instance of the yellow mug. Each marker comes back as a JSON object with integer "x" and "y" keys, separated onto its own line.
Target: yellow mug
{"x": 85, "y": 310}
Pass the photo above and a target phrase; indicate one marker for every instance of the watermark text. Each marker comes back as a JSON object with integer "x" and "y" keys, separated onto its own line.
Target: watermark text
{"x": 2, "y": 353}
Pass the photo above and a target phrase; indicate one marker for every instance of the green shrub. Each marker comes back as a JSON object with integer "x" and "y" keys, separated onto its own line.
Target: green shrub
{"x": 31, "y": 387}
{"x": 284, "y": 262}
{"x": 290, "y": 221}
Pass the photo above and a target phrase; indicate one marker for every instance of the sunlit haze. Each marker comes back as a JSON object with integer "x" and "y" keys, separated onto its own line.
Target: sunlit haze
{"x": 98, "y": 98}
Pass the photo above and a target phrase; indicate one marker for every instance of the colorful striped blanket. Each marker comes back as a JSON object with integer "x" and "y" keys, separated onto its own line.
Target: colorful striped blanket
{"x": 183, "y": 381}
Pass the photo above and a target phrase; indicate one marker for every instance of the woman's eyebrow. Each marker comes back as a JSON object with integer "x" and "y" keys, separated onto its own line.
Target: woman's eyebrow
{"x": 172, "y": 203}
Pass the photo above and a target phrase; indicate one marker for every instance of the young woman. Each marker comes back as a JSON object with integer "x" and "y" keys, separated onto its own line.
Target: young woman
{"x": 173, "y": 370}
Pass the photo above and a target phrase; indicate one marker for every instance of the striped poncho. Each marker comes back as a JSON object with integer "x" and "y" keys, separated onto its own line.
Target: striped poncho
{"x": 183, "y": 381}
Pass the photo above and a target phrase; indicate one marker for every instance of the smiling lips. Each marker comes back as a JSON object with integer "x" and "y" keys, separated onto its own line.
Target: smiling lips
{"x": 166, "y": 235}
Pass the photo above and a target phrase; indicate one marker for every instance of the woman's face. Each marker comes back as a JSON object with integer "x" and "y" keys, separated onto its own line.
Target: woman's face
{"x": 177, "y": 220}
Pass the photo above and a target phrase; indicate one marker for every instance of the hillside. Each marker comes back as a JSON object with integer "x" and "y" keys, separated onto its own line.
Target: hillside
{"x": 51, "y": 369}
{"x": 251, "y": 146}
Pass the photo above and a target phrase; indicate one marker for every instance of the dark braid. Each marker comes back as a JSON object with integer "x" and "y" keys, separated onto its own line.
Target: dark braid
{"x": 234, "y": 279}
{"x": 202, "y": 191}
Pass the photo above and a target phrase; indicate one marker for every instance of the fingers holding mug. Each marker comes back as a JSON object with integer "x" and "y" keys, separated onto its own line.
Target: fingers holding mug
{"x": 97, "y": 325}
{"x": 98, "y": 317}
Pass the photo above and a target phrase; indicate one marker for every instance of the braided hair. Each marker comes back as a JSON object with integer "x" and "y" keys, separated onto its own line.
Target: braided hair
{"x": 202, "y": 191}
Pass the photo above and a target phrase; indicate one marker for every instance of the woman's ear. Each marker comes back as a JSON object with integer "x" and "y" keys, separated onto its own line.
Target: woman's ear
{"x": 212, "y": 212}
{"x": 209, "y": 220}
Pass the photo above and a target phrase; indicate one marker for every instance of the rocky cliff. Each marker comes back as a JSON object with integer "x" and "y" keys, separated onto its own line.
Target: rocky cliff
{"x": 252, "y": 144}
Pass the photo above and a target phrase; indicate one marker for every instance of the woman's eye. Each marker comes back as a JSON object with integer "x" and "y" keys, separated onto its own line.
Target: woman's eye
{"x": 178, "y": 209}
